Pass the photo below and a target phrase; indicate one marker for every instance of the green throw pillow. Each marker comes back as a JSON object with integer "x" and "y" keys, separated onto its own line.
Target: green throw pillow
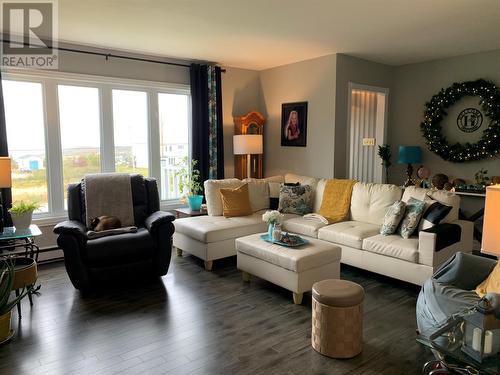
{"x": 393, "y": 217}
{"x": 414, "y": 210}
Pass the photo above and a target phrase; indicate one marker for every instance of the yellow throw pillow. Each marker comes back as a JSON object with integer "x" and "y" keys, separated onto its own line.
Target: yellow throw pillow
{"x": 236, "y": 202}
{"x": 491, "y": 284}
{"x": 336, "y": 200}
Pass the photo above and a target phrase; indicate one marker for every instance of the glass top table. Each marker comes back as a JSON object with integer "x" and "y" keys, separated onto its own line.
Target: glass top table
{"x": 450, "y": 353}
{"x": 12, "y": 238}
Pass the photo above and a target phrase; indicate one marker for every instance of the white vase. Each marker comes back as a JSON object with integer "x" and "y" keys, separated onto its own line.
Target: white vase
{"x": 22, "y": 221}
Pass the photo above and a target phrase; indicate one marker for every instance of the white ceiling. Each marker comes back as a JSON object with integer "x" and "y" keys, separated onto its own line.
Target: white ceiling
{"x": 259, "y": 34}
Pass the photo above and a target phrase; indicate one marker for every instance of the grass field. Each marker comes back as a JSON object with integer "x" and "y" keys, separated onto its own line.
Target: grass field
{"x": 32, "y": 186}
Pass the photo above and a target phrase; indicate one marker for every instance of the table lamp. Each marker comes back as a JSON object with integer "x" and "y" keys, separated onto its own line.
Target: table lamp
{"x": 248, "y": 144}
{"x": 491, "y": 222}
{"x": 5, "y": 182}
{"x": 409, "y": 155}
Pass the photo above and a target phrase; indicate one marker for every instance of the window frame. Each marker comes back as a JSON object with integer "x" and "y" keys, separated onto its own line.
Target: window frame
{"x": 52, "y": 128}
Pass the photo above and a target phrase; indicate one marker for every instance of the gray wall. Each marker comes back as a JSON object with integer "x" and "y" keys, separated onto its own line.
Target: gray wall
{"x": 352, "y": 69}
{"x": 414, "y": 85}
{"x": 312, "y": 81}
{"x": 241, "y": 94}
{"x": 71, "y": 62}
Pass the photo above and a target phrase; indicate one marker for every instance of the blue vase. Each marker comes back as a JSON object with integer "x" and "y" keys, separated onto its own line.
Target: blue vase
{"x": 270, "y": 230}
{"x": 194, "y": 202}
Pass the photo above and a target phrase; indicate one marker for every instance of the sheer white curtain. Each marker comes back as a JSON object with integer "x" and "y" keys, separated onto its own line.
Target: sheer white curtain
{"x": 363, "y": 124}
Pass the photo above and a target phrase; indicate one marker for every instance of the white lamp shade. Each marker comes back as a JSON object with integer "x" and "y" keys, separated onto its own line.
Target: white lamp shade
{"x": 5, "y": 172}
{"x": 247, "y": 144}
{"x": 491, "y": 222}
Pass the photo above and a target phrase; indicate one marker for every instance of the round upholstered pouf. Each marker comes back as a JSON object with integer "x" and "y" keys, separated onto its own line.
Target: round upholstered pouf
{"x": 337, "y": 318}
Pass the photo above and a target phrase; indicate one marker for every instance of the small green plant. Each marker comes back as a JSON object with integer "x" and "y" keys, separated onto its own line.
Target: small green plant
{"x": 6, "y": 282}
{"x": 481, "y": 177}
{"x": 23, "y": 207}
{"x": 384, "y": 152}
{"x": 189, "y": 177}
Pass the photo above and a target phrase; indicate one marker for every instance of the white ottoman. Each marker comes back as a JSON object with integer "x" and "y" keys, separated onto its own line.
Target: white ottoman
{"x": 295, "y": 269}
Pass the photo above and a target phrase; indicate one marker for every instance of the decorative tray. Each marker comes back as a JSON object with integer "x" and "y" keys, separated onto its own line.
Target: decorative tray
{"x": 299, "y": 241}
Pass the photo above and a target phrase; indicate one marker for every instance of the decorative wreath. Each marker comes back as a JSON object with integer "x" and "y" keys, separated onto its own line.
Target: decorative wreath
{"x": 435, "y": 110}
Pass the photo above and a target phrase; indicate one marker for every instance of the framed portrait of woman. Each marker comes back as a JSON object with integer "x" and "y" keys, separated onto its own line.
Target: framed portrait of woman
{"x": 294, "y": 124}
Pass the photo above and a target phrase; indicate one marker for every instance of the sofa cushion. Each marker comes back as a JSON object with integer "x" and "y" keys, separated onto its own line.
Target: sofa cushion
{"x": 301, "y": 225}
{"x": 120, "y": 248}
{"x": 212, "y": 193}
{"x": 413, "y": 212}
{"x": 302, "y": 180}
{"x": 393, "y": 246}
{"x": 445, "y": 197}
{"x": 318, "y": 194}
{"x": 315, "y": 254}
{"x": 259, "y": 193}
{"x": 348, "y": 233}
{"x": 393, "y": 217}
{"x": 370, "y": 202}
{"x": 218, "y": 228}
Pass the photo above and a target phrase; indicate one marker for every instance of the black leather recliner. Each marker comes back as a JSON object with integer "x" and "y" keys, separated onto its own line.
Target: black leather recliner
{"x": 121, "y": 257}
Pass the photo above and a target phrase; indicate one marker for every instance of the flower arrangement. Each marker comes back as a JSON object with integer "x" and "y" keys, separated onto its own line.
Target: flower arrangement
{"x": 272, "y": 217}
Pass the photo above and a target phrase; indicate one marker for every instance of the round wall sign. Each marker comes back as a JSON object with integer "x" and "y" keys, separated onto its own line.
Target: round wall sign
{"x": 469, "y": 120}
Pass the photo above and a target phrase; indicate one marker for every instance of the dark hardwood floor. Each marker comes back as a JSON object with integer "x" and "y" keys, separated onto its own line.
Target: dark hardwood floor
{"x": 198, "y": 322}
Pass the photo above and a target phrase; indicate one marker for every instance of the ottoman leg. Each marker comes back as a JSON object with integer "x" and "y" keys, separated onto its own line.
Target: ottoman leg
{"x": 297, "y": 298}
{"x": 208, "y": 265}
{"x": 179, "y": 252}
{"x": 245, "y": 276}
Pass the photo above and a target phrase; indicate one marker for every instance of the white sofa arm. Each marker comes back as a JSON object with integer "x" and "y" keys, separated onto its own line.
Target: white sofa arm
{"x": 439, "y": 243}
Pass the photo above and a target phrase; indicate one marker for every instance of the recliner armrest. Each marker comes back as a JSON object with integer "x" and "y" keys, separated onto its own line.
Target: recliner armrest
{"x": 71, "y": 227}
{"x": 157, "y": 219}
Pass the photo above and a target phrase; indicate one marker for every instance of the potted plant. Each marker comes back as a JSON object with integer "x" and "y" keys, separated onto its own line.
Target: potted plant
{"x": 22, "y": 213}
{"x": 384, "y": 152}
{"x": 189, "y": 183}
{"x": 7, "y": 273}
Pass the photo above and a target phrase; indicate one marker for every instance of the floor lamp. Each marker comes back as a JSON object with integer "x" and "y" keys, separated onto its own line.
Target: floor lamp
{"x": 5, "y": 182}
{"x": 248, "y": 144}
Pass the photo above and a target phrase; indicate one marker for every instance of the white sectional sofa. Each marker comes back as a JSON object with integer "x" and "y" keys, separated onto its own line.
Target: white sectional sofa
{"x": 413, "y": 260}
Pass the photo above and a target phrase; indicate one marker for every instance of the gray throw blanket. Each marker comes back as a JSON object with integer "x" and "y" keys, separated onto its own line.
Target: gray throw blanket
{"x": 109, "y": 194}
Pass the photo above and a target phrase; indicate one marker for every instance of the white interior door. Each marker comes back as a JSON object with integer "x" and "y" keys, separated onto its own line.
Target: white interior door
{"x": 367, "y": 126}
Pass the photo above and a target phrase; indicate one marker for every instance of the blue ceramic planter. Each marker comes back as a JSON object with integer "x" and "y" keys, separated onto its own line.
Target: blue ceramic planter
{"x": 194, "y": 202}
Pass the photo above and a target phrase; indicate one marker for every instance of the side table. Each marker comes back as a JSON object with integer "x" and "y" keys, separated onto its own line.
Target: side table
{"x": 187, "y": 212}
{"x": 12, "y": 238}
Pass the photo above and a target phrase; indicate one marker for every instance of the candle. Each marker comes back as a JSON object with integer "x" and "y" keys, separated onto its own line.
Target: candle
{"x": 488, "y": 342}
{"x": 476, "y": 339}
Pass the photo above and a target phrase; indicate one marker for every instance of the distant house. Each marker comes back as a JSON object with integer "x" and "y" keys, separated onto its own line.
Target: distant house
{"x": 29, "y": 163}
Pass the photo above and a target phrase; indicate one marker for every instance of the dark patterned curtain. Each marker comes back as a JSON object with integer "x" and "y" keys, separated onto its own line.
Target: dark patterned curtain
{"x": 4, "y": 151}
{"x": 207, "y": 136}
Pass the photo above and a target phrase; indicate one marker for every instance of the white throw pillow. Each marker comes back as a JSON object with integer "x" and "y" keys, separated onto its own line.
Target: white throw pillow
{"x": 258, "y": 190}
{"x": 212, "y": 193}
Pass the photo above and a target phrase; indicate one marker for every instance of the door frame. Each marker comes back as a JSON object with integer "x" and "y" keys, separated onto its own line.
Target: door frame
{"x": 379, "y": 90}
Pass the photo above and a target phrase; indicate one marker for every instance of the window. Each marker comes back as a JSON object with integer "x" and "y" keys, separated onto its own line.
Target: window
{"x": 63, "y": 126}
{"x": 26, "y": 139}
{"x": 173, "y": 112}
{"x": 80, "y": 132}
{"x": 130, "y": 118}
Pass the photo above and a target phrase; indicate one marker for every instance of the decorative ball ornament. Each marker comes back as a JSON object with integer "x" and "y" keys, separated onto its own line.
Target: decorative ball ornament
{"x": 435, "y": 110}
{"x": 439, "y": 180}
{"x": 423, "y": 173}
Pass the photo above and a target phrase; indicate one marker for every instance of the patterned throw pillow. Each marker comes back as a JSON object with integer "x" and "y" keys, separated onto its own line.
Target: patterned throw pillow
{"x": 393, "y": 217}
{"x": 295, "y": 199}
{"x": 414, "y": 211}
